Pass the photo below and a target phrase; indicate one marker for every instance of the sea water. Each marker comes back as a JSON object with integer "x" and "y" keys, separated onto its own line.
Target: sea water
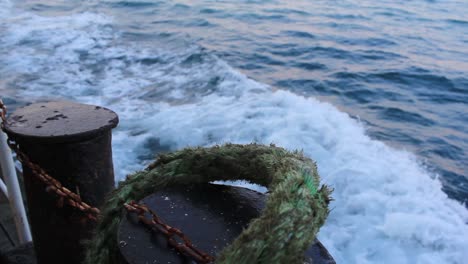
{"x": 375, "y": 91}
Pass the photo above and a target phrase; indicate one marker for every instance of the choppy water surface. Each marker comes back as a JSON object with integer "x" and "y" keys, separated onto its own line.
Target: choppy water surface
{"x": 375, "y": 91}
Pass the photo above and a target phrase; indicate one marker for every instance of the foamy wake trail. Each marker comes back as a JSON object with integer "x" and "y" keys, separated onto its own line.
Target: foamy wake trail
{"x": 387, "y": 208}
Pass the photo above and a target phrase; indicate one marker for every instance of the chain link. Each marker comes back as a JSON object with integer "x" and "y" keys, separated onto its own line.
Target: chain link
{"x": 92, "y": 213}
{"x": 3, "y": 111}
{"x": 155, "y": 223}
{"x": 53, "y": 185}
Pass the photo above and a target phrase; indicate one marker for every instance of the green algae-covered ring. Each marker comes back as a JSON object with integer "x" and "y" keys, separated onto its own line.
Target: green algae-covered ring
{"x": 296, "y": 207}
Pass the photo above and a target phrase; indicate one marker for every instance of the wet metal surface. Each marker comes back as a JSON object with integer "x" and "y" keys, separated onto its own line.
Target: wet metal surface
{"x": 212, "y": 216}
{"x": 73, "y": 145}
{"x": 60, "y": 121}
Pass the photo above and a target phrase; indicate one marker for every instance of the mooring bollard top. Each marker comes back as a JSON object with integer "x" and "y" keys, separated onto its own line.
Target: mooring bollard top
{"x": 60, "y": 121}
{"x": 211, "y": 216}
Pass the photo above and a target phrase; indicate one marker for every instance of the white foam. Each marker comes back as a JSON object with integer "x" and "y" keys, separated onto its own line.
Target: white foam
{"x": 387, "y": 207}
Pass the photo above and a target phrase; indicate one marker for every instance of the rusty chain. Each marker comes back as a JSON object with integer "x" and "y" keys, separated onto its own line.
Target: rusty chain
{"x": 156, "y": 224}
{"x": 53, "y": 185}
{"x": 92, "y": 213}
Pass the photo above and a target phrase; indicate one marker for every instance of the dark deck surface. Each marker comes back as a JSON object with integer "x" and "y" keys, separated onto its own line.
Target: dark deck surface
{"x": 11, "y": 252}
{"x": 8, "y": 236}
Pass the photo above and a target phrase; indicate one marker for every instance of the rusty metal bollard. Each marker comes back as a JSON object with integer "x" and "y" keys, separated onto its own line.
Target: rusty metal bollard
{"x": 211, "y": 216}
{"x": 72, "y": 143}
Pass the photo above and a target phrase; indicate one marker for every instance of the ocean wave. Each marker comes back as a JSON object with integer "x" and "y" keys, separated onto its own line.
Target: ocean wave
{"x": 388, "y": 208}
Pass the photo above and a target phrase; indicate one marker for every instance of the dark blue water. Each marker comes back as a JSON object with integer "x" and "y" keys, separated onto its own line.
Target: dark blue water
{"x": 185, "y": 73}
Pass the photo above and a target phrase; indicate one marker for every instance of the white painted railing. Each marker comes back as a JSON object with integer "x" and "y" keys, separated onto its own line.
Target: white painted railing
{"x": 12, "y": 190}
{"x": 3, "y": 188}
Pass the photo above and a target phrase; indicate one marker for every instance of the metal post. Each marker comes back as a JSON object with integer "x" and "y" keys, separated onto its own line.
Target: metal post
{"x": 72, "y": 143}
{"x": 3, "y": 188}
{"x": 12, "y": 191}
{"x": 211, "y": 216}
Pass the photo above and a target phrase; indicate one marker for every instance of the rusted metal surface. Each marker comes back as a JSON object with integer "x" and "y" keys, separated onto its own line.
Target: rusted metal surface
{"x": 56, "y": 122}
{"x": 155, "y": 223}
{"x": 212, "y": 216}
{"x": 65, "y": 149}
{"x": 53, "y": 185}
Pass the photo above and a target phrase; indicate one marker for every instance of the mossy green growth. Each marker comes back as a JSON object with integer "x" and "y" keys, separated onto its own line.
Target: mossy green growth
{"x": 296, "y": 208}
